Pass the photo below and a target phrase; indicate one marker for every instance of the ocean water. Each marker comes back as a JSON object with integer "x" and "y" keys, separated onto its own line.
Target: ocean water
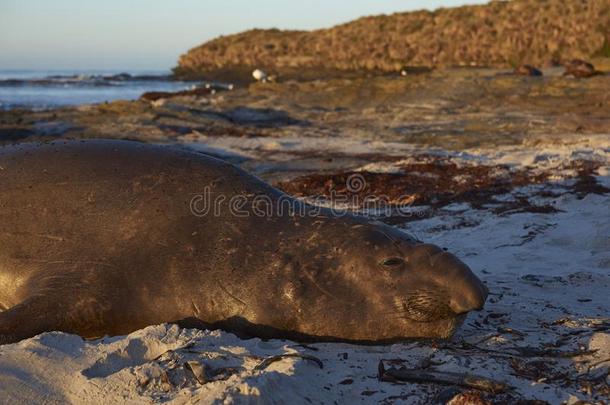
{"x": 48, "y": 89}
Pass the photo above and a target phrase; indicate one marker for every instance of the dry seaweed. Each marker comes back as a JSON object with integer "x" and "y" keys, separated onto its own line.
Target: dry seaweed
{"x": 440, "y": 377}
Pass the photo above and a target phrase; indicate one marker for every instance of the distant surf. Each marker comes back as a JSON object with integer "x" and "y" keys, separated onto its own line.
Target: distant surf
{"x": 48, "y": 89}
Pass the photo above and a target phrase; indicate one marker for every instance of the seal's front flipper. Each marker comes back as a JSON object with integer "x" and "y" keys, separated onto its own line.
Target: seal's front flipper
{"x": 24, "y": 320}
{"x": 41, "y": 313}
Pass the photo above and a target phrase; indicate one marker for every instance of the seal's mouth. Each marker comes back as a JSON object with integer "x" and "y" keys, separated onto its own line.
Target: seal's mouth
{"x": 425, "y": 306}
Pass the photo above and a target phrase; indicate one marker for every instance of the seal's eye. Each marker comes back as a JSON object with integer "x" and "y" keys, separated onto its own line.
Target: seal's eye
{"x": 393, "y": 261}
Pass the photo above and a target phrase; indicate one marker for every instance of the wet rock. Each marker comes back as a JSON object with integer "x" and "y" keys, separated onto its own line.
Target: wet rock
{"x": 158, "y": 95}
{"x": 14, "y": 134}
{"x": 527, "y": 70}
{"x": 261, "y": 117}
{"x": 580, "y": 69}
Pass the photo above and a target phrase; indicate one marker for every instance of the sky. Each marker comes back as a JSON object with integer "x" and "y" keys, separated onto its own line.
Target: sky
{"x": 151, "y": 34}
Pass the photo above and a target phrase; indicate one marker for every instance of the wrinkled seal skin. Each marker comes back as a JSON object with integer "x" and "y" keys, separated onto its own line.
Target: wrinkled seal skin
{"x": 98, "y": 238}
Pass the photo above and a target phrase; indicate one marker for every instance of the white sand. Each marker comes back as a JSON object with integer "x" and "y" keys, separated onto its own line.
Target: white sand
{"x": 549, "y": 275}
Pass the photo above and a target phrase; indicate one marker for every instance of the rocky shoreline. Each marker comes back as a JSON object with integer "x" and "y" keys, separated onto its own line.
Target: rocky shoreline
{"x": 448, "y": 109}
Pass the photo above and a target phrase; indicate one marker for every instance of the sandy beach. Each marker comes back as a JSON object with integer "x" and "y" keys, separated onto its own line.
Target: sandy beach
{"x": 541, "y": 244}
{"x": 544, "y": 331}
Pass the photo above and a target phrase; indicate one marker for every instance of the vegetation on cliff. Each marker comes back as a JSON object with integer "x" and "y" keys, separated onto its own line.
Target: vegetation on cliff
{"x": 497, "y": 34}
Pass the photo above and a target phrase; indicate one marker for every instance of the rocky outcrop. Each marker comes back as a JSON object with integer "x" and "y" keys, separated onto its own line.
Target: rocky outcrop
{"x": 497, "y": 34}
{"x": 580, "y": 69}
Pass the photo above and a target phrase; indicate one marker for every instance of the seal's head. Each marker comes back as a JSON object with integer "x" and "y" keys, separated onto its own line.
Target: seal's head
{"x": 377, "y": 283}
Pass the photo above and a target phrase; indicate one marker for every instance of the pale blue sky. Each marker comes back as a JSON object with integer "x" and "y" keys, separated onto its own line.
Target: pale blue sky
{"x": 151, "y": 34}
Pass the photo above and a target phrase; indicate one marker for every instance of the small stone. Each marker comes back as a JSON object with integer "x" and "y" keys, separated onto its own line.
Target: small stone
{"x": 259, "y": 75}
{"x": 198, "y": 371}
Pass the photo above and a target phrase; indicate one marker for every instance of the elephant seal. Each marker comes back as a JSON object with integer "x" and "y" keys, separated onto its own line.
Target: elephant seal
{"x": 104, "y": 237}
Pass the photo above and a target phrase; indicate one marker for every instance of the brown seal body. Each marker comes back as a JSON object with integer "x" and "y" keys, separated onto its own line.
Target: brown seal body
{"x": 105, "y": 237}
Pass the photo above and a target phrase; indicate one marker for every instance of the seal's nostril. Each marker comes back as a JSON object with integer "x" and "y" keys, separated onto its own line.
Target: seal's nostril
{"x": 480, "y": 296}
{"x": 471, "y": 297}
